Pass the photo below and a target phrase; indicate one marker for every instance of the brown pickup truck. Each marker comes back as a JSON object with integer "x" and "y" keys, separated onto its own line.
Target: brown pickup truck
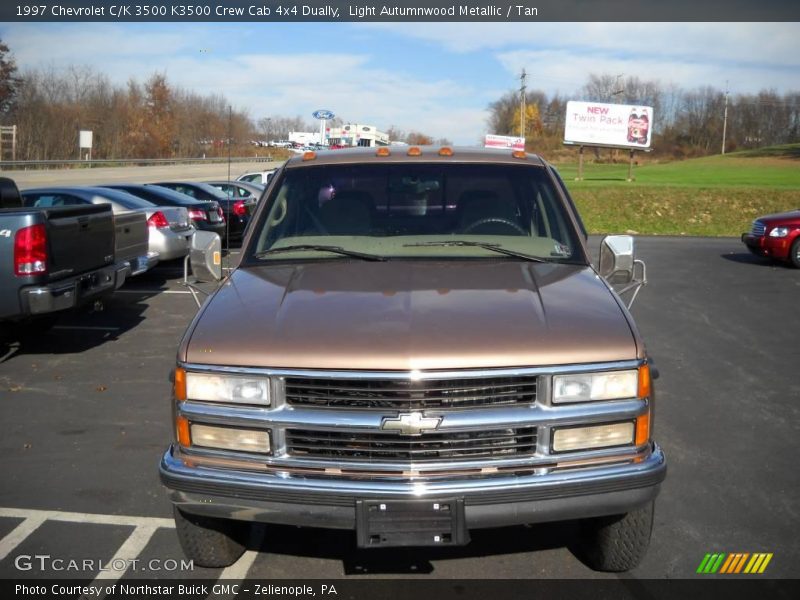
{"x": 416, "y": 344}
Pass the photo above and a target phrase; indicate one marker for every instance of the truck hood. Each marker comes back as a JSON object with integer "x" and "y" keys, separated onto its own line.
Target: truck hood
{"x": 403, "y": 315}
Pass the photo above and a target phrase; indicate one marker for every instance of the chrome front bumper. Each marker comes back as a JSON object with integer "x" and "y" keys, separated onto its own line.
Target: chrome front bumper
{"x": 499, "y": 500}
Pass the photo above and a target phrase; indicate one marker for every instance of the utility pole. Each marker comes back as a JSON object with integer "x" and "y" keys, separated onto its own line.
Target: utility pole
{"x": 725, "y": 118}
{"x": 522, "y": 104}
{"x": 618, "y": 84}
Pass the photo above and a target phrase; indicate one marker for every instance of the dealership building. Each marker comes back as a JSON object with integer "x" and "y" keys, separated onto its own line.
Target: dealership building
{"x": 355, "y": 134}
{"x": 350, "y": 134}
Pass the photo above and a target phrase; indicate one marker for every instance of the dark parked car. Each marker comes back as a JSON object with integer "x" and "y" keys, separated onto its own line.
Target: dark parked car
{"x": 245, "y": 196}
{"x": 205, "y": 215}
{"x": 241, "y": 190}
{"x": 168, "y": 227}
{"x": 235, "y": 224}
{"x": 776, "y": 236}
{"x": 132, "y": 239}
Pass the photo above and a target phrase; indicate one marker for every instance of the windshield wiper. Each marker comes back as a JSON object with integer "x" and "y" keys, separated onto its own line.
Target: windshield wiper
{"x": 485, "y": 245}
{"x": 319, "y": 248}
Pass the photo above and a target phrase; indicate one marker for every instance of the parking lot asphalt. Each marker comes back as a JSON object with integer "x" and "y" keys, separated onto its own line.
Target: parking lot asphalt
{"x": 87, "y": 414}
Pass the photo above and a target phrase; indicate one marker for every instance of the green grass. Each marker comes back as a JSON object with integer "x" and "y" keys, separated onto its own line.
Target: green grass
{"x": 715, "y": 196}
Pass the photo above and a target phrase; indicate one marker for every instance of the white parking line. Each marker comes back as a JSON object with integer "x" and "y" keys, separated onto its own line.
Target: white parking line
{"x": 143, "y": 530}
{"x": 152, "y": 292}
{"x": 88, "y": 327}
{"x": 239, "y": 569}
{"x": 75, "y": 517}
{"x": 19, "y": 533}
{"x": 133, "y": 546}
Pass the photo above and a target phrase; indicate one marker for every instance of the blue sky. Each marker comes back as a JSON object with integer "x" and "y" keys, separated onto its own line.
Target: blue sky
{"x": 437, "y": 78}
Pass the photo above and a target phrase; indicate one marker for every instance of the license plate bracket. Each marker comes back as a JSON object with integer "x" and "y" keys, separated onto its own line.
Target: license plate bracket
{"x": 434, "y": 522}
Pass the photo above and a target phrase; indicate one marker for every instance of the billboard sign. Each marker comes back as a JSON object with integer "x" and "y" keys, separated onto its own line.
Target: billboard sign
{"x": 504, "y": 141}
{"x": 612, "y": 125}
{"x": 84, "y": 138}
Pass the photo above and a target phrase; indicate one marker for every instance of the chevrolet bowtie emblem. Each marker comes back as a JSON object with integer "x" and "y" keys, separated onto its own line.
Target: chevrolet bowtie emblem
{"x": 411, "y": 423}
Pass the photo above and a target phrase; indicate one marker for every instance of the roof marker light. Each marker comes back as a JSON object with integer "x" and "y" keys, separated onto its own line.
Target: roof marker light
{"x": 310, "y": 155}
{"x": 445, "y": 151}
{"x": 519, "y": 154}
{"x": 414, "y": 151}
{"x": 383, "y": 151}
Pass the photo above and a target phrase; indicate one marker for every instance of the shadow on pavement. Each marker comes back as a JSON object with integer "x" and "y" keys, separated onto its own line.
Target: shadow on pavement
{"x": 746, "y": 258}
{"x": 339, "y": 544}
{"x": 75, "y": 330}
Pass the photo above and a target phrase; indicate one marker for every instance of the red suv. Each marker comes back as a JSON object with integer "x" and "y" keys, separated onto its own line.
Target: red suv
{"x": 776, "y": 236}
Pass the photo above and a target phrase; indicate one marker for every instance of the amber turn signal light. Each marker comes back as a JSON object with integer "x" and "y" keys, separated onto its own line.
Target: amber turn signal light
{"x": 182, "y": 432}
{"x": 179, "y": 385}
{"x": 644, "y": 381}
{"x": 643, "y": 428}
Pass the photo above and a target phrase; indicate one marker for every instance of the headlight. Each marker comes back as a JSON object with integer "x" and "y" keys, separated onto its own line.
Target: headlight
{"x": 236, "y": 389}
{"x": 584, "y": 387}
{"x": 779, "y": 232}
{"x": 594, "y": 437}
{"x": 229, "y": 438}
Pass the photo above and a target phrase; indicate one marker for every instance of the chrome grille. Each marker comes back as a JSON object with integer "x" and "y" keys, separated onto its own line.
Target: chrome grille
{"x": 759, "y": 229}
{"x": 404, "y": 394}
{"x": 464, "y": 445}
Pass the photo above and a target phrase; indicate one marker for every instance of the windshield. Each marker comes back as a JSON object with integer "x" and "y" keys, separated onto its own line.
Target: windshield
{"x": 402, "y": 210}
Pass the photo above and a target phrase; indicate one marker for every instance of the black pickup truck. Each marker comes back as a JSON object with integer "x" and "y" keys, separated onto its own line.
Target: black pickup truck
{"x": 54, "y": 259}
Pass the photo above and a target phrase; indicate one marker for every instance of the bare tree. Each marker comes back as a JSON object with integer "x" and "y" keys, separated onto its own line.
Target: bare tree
{"x": 9, "y": 81}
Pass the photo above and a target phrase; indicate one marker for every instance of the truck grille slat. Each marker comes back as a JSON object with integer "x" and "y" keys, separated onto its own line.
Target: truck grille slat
{"x": 426, "y": 447}
{"x": 406, "y": 395}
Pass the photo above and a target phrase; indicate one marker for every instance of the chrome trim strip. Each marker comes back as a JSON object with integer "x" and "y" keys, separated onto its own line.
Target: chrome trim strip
{"x": 259, "y": 463}
{"x": 226, "y": 481}
{"x": 455, "y": 420}
{"x": 404, "y": 375}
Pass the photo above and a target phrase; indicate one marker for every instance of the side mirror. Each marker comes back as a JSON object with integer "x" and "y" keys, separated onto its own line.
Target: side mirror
{"x": 617, "y": 259}
{"x": 618, "y": 265}
{"x": 205, "y": 256}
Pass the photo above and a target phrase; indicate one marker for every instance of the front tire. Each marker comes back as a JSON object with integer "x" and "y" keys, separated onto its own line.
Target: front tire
{"x": 617, "y": 543}
{"x": 794, "y": 253}
{"x": 210, "y": 542}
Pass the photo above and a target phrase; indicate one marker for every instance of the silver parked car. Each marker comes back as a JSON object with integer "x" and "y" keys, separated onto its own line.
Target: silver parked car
{"x": 169, "y": 227}
{"x": 261, "y": 177}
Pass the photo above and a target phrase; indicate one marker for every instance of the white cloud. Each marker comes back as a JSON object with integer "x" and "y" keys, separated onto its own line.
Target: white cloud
{"x": 775, "y": 44}
{"x": 265, "y": 84}
{"x": 90, "y": 43}
{"x": 553, "y": 70}
{"x": 357, "y": 82}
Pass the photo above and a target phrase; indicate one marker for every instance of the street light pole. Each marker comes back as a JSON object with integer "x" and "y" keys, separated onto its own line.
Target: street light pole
{"x": 725, "y": 119}
{"x": 522, "y": 104}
